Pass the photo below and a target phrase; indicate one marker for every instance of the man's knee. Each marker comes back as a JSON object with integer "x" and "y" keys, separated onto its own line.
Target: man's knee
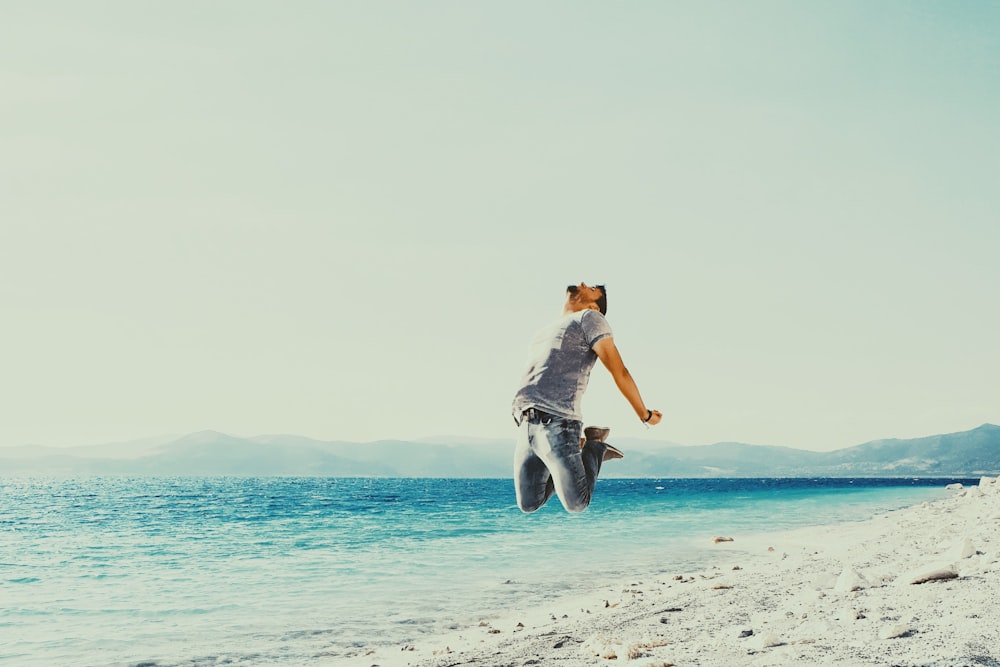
{"x": 530, "y": 502}
{"x": 529, "y": 507}
{"x": 576, "y": 505}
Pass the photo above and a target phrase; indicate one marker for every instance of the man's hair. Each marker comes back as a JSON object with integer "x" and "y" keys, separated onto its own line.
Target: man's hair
{"x": 602, "y": 303}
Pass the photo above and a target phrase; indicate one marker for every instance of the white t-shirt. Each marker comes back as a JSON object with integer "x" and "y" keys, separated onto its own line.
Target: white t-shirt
{"x": 562, "y": 356}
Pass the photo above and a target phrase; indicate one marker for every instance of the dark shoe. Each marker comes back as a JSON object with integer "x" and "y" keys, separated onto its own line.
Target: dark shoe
{"x": 612, "y": 453}
{"x": 598, "y": 433}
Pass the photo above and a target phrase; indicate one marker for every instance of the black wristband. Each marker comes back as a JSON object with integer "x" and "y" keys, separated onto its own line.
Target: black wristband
{"x": 648, "y": 417}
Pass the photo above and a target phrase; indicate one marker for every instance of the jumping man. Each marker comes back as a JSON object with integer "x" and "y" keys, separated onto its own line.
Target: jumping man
{"x": 551, "y": 456}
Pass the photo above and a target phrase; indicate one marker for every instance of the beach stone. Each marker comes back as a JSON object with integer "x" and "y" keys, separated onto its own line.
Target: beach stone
{"x": 957, "y": 486}
{"x": 963, "y": 549}
{"x": 850, "y": 580}
{"x": 895, "y": 631}
{"x": 768, "y": 640}
{"x": 930, "y": 573}
{"x": 716, "y": 540}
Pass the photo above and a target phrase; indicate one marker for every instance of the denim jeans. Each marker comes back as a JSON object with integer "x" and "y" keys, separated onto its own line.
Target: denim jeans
{"x": 548, "y": 459}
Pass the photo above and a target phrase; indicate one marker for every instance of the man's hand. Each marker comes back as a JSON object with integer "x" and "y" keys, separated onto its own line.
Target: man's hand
{"x": 608, "y": 353}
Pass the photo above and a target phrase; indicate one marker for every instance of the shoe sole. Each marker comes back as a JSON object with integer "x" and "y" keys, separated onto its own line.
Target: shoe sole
{"x": 612, "y": 453}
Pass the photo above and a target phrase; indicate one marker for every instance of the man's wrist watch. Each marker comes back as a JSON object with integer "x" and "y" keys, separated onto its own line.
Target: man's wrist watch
{"x": 648, "y": 417}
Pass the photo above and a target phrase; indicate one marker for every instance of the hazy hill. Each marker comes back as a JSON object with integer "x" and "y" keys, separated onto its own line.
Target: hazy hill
{"x": 969, "y": 453}
{"x": 976, "y": 451}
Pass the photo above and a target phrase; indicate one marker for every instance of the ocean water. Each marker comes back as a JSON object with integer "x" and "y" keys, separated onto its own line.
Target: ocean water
{"x": 289, "y": 571}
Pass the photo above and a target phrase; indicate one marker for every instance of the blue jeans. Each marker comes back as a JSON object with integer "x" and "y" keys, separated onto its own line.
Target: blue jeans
{"x": 548, "y": 459}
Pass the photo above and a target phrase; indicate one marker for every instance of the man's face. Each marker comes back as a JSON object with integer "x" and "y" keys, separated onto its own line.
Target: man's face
{"x": 584, "y": 294}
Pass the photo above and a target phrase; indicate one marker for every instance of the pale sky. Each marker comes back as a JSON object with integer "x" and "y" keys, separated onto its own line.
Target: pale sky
{"x": 346, "y": 220}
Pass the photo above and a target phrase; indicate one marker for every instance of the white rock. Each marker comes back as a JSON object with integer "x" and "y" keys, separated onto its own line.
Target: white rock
{"x": 766, "y": 641}
{"x": 962, "y": 549}
{"x": 930, "y": 573}
{"x": 957, "y": 486}
{"x": 986, "y": 481}
{"x": 894, "y": 631}
{"x": 850, "y": 580}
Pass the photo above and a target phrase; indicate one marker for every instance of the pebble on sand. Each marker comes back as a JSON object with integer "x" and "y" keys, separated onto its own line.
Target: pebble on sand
{"x": 768, "y": 640}
{"x": 895, "y": 631}
{"x": 932, "y": 573}
{"x": 849, "y": 580}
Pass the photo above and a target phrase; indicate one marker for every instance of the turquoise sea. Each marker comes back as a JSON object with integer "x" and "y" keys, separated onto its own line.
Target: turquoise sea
{"x": 281, "y": 571}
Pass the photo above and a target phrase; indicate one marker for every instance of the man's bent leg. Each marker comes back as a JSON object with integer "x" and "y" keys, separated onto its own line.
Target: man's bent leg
{"x": 533, "y": 484}
{"x": 574, "y": 471}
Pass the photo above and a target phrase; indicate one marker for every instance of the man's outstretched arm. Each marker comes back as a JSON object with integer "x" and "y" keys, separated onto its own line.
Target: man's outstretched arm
{"x": 608, "y": 353}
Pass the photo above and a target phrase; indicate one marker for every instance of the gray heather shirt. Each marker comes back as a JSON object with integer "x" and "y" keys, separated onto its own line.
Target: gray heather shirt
{"x": 562, "y": 356}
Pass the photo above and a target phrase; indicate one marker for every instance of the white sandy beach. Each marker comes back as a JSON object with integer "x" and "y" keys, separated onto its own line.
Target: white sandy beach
{"x": 841, "y": 595}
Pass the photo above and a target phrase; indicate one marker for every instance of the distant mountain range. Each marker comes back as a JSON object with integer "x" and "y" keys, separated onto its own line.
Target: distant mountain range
{"x": 966, "y": 454}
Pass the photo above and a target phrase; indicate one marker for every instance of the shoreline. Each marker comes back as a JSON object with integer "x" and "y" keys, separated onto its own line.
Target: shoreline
{"x": 834, "y": 594}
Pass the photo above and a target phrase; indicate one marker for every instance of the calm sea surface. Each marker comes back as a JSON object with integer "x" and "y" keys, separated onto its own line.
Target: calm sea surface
{"x": 200, "y": 571}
